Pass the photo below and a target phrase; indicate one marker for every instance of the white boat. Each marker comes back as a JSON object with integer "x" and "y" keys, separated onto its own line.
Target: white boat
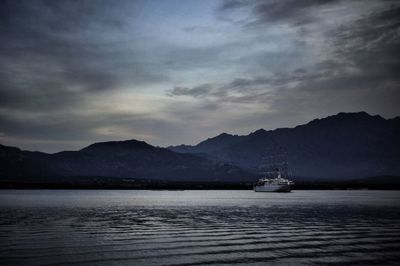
{"x": 277, "y": 184}
{"x": 276, "y": 175}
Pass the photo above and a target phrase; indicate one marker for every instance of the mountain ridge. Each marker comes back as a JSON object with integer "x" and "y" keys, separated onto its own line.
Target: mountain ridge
{"x": 343, "y": 146}
{"x": 335, "y": 145}
{"x": 120, "y": 159}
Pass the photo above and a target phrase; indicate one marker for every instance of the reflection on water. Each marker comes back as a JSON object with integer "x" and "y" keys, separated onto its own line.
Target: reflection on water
{"x": 43, "y": 227}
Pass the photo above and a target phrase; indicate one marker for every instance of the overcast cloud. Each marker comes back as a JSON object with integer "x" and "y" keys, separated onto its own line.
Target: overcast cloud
{"x": 172, "y": 72}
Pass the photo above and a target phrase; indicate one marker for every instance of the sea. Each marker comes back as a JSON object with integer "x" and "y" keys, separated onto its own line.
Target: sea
{"x": 199, "y": 227}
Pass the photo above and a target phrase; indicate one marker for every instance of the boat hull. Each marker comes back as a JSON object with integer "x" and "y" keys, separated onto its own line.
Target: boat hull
{"x": 272, "y": 188}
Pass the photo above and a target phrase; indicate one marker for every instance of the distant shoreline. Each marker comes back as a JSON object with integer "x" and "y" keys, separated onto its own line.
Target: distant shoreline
{"x": 119, "y": 184}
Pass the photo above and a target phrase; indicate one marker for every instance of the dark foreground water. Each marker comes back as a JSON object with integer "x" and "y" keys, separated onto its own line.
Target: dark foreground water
{"x": 92, "y": 227}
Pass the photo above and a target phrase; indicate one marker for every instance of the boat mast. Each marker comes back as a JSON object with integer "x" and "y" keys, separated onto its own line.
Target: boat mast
{"x": 275, "y": 165}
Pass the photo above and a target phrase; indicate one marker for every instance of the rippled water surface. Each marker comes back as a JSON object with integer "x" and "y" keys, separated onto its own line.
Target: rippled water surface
{"x": 47, "y": 227}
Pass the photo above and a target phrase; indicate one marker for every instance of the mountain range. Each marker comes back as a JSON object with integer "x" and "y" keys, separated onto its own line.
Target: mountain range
{"x": 339, "y": 147}
{"x": 129, "y": 159}
{"x": 342, "y": 146}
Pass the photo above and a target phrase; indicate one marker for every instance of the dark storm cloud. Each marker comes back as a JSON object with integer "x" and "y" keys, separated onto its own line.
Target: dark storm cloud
{"x": 372, "y": 43}
{"x": 371, "y": 46}
{"x": 357, "y": 69}
{"x": 267, "y": 11}
{"x": 369, "y": 32}
{"x": 197, "y": 91}
{"x": 366, "y": 51}
{"x": 70, "y": 15}
{"x": 55, "y": 52}
{"x": 297, "y": 12}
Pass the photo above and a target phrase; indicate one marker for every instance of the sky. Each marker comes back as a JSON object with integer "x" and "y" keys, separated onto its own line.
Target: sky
{"x": 171, "y": 72}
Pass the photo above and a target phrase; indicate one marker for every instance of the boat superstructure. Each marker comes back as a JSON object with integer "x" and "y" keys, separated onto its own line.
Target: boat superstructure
{"x": 276, "y": 176}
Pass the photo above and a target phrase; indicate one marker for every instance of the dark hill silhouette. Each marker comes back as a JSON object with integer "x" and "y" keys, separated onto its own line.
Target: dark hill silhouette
{"x": 117, "y": 146}
{"x": 119, "y": 159}
{"x": 342, "y": 146}
{"x": 210, "y": 145}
